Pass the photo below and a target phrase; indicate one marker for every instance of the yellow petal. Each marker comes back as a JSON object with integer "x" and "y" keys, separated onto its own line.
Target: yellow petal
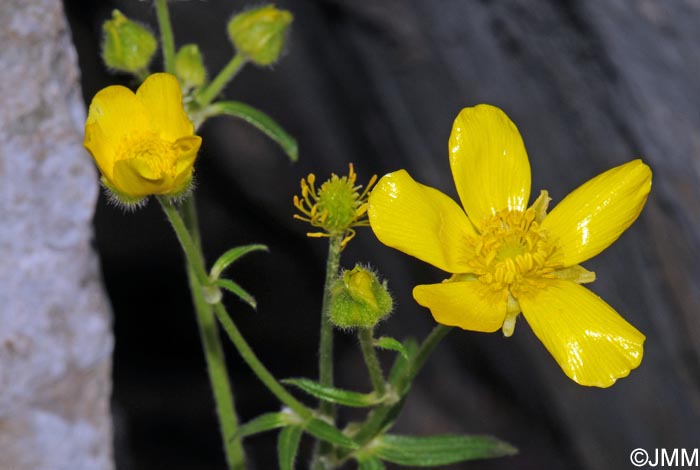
{"x": 114, "y": 113}
{"x": 160, "y": 93}
{"x": 470, "y": 305}
{"x": 135, "y": 177}
{"x": 186, "y": 149}
{"x": 489, "y": 163}
{"x": 420, "y": 221}
{"x": 592, "y": 343}
{"x": 595, "y": 214}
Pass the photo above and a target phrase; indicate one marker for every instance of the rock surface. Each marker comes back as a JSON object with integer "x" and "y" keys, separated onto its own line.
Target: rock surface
{"x": 55, "y": 322}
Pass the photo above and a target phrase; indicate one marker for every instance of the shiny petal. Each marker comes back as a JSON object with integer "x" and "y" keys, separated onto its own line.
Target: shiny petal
{"x": 595, "y": 214}
{"x": 161, "y": 95}
{"x": 114, "y": 114}
{"x": 470, "y": 305}
{"x": 592, "y": 343}
{"x": 135, "y": 178}
{"x": 489, "y": 163}
{"x": 186, "y": 149}
{"x": 420, "y": 221}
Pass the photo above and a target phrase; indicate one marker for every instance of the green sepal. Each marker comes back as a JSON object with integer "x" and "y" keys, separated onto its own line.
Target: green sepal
{"x": 287, "y": 446}
{"x": 370, "y": 463}
{"x": 230, "y": 256}
{"x": 329, "y": 433}
{"x": 385, "y": 342}
{"x": 438, "y": 450}
{"x": 237, "y": 290}
{"x": 261, "y": 121}
{"x": 265, "y": 422}
{"x": 335, "y": 395}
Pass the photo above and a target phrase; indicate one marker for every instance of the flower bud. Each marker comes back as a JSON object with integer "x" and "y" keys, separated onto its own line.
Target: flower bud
{"x": 259, "y": 33}
{"x": 128, "y": 46}
{"x": 359, "y": 299}
{"x": 189, "y": 67}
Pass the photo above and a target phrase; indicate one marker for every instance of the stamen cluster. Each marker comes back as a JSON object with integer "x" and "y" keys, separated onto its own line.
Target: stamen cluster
{"x": 511, "y": 252}
{"x": 336, "y": 207}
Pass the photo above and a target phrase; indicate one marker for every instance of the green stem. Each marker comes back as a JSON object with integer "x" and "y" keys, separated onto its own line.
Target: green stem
{"x": 218, "y": 375}
{"x": 383, "y": 416}
{"x": 207, "y": 95}
{"x": 370, "y": 354}
{"x": 211, "y": 342}
{"x": 256, "y": 366}
{"x": 325, "y": 353}
{"x": 196, "y": 263}
{"x": 166, "y": 35}
{"x": 325, "y": 348}
{"x": 424, "y": 351}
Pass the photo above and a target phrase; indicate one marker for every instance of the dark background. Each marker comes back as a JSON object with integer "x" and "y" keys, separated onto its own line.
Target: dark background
{"x": 589, "y": 84}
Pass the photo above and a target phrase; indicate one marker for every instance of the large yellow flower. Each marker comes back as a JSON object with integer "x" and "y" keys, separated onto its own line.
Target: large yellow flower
{"x": 143, "y": 142}
{"x": 507, "y": 258}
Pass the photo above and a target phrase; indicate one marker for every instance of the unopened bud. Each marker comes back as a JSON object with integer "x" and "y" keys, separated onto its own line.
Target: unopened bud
{"x": 128, "y": 46}
{"x": 189, "y": 67}
{"x": 359, "y": 299}
{"x": 259, "y": 33}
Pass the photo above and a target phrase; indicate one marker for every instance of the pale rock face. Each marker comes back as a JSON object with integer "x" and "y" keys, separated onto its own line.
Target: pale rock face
{"x": 55, "y": 321}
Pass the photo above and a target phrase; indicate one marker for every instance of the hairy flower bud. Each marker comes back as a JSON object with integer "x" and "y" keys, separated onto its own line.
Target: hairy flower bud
{"x": 259, "y": 33}
{"x": 128, "y": 46}
{"x": 189, "y": 67}
{"x": 359, "y": 299}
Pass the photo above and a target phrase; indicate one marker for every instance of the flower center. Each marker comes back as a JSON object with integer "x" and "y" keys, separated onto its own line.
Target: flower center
{"x": 512, "y": 253}
{"x": 151, "y": 155}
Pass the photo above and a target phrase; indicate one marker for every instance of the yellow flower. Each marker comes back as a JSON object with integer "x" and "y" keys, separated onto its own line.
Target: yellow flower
{"x": 507, "y": 258}
{"x": 143, "y": 142}
{"x": 336, "y": 207}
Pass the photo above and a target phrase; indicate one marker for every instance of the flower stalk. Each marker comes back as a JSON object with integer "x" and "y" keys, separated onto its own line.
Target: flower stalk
{"x": 195, "y": 262}
{"x": 226, "y": 74}
{"x": 167, "y": 38}
{"x": 369, "y": 353}
{"x": 325, "y": 353}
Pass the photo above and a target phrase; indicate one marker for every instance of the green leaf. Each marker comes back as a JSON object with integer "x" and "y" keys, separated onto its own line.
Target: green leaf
{"x": 401, "y": 362}
{"x": 370, "y": 463}
{"x": 335, "y": 395}
{"x": 287, "y": 446}
{"x": 259, "y": 120}
{"x": 264, "y": 422}
{"x": 230, "y": 256}
{"x": 438, "y": 450}
{"x": 392, "y": 344}
{"x": 329, "y": 433}
{"x": 234, "y": 288}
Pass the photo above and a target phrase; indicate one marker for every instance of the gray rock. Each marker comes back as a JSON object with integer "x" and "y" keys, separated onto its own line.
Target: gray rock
{"x": 55, "y": 322}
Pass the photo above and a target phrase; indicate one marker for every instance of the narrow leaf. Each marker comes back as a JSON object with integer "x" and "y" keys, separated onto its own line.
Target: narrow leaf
{"x": 264, "y": 422}
{"x": 287, "y": 446}
{"x": 439, "y": 450}
{"x": 261, "y": 121}
{"x": 402, "y": 362}
{"x": 230, "y": 256}
{"x": 392, "y": 344}
{"x": 234, "y": 288}
{"x": 371, "y": 463}
{"x": 335, "y": 395}
{"x": 329, "y": 433}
